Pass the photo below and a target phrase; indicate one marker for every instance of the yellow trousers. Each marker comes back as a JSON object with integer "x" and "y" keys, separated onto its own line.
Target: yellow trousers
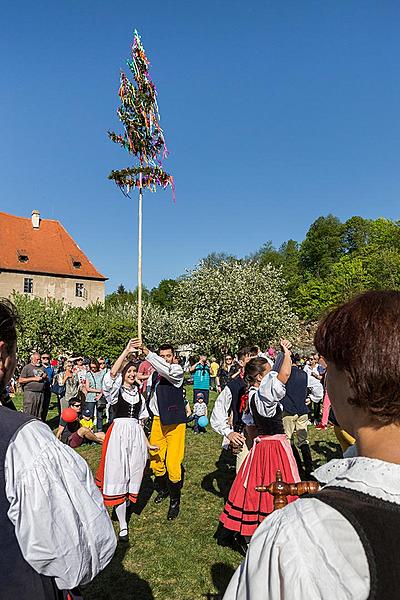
{"x": 345, "y": 439}
{"x": 171, "y": 442}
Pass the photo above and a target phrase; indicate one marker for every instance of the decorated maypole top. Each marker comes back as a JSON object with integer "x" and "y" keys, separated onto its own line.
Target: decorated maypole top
{"x": 143, "y": 136}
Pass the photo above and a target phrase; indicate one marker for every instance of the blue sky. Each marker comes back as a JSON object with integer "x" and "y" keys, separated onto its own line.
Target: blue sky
{"x": 274, "y": 113}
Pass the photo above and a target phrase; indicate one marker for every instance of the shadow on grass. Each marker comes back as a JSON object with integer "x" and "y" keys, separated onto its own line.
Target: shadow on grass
{"x": 327, "y": 449}
{"x": 145, "y": 493}
{"x": 115, "y": 582}
{"x": 221, "y": 574}
{"x": 223, "y": 476}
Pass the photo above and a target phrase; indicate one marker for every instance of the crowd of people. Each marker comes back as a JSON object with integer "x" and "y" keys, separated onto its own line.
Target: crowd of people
{"x": 138, "y": 411}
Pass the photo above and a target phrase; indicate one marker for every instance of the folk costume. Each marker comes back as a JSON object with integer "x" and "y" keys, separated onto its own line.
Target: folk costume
{"x": 226, "y": 417}
{"x": 124, "y": 451}
{"x": 246, "y": 508}
{"x": 339, "y": 543}
{"x": 55, "y": 531}
{"x": 166, "y": 403}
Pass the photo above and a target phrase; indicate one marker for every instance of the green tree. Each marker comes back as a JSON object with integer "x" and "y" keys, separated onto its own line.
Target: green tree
{"x": 356, "y": 233}
{"x": 322, "y": 246}
{"x": 162, "y": 294}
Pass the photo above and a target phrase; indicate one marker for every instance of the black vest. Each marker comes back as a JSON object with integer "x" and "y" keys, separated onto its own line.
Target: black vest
{"x": 237, "y": 388}
{"x": 18, "y": 580}
{"x": 266, "y": 425}
{"x": 125, "y": 409}
{"x": 377, "y": 524}
{"x": 294, "y": 401}
{"x": 170, "y": 402}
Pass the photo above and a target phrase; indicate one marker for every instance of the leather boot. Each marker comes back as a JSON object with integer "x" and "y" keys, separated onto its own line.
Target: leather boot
{"x": 161, "y": 487}
{"x": 298, "y": 460}
{"x": 307, "y": 460}
{"x": 175, "y": 499}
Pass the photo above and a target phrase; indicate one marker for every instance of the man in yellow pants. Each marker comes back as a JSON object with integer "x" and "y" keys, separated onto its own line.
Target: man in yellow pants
{"x": 167, "y": 405}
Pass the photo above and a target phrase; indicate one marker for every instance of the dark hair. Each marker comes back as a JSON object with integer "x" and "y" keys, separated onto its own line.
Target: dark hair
{"x": 75, "y": 400}
{"x": 167, "y": 347}
{"x": 9, "y": 320}
{"x": 254, "y": 350}
{"x": 243, "y": 352}
{"x": 94, "y": 361}
{"x": 361, "y": 337}
{"x": 254, "y": 367}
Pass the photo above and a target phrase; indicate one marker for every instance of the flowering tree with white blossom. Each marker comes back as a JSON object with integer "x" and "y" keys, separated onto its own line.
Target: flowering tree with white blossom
{"x": 234, "y": 303}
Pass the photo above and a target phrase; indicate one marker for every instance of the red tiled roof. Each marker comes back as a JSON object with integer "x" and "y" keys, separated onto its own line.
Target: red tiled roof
{"x": 49, "y": 249}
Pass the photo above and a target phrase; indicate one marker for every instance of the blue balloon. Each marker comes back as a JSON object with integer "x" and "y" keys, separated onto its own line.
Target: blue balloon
{"x": 203, "y": 421}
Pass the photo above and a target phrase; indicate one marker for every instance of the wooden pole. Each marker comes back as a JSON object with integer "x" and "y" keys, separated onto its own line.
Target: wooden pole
{"x": 139, "y": 305}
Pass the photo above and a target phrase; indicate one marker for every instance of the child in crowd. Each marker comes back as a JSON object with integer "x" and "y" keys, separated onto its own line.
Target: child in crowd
{"x": 199, "y": 410}
{"x": 86, "y": 420}
{"x": 73, "y": 434}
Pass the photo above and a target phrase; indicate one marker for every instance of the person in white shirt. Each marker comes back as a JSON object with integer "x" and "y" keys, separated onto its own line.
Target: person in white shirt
{"x": 55, "y": 531}
{"x": 125, "y": 447}
{"x": 168, "y": 430}
{"x": 245, "y": 509}
{"x": 343, "y": 541}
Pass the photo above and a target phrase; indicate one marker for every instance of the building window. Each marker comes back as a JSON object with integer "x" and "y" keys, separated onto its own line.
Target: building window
{"x": 79, "y": 290}
{"x": 28, "y": 285}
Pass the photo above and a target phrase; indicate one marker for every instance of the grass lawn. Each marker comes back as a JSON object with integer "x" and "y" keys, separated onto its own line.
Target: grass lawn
{"x": 180, "y": 559}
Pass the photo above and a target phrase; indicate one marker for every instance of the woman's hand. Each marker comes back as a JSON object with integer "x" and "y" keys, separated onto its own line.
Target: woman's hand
{"x": 132, "y": 346}
{"x": 153, "y": 448}
{"x": 285, "y": 345}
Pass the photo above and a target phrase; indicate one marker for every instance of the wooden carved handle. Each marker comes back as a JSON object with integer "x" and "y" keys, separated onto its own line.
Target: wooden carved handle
{"x": 280, "y": 490}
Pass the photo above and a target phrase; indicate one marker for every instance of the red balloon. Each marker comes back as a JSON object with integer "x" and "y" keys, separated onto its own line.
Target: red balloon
{"x": 69, "y": 415}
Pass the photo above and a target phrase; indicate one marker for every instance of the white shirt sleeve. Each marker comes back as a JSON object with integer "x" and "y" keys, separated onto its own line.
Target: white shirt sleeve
{"x": 316, "y": 389}
{"x": 269, "y": 394}
{"x": 219, "y": 415}
{"x": 143, "y": 409}
{"x": 61, "y": 524}
{"x": 307, "y": 550}
{"x": 111, "y": 387}
{"x": 174, "y": 373}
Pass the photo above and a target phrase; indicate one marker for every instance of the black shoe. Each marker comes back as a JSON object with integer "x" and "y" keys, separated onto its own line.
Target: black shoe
{"x": 161, "y": 486}
{"x": 161, "y": 496}
{"x": 174, "y": 504}
{"x": 173, "y": 510}
{"x": 124, "y": 538}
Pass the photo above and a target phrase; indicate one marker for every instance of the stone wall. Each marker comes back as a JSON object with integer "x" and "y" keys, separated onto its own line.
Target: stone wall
{"x": 49, "y": 286}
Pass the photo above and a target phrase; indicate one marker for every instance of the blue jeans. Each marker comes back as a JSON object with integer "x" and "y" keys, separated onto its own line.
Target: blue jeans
{"x": 197, "y": 427}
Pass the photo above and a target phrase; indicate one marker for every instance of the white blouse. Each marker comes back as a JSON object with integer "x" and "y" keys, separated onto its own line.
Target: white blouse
{"x": 268, "y": 395}
{"x": 308, "y": 549}
{"x": 61, "y": 524}
{"x": 111, "y": 388}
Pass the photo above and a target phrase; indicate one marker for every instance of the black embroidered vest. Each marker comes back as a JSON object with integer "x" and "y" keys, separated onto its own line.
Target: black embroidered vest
{"x": 170, "y": 401}
{"x": 125, "y": 409}
{"x": 377, "y": 524}
{"x": 266, "y": 425}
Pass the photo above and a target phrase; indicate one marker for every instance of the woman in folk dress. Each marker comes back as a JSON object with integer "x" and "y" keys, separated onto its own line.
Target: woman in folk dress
{"x": 125, "y": 448}
{"x": 246, "y": 508}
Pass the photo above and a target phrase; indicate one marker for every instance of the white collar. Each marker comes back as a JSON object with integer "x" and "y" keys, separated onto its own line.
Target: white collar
{"x": 369, "y": 475}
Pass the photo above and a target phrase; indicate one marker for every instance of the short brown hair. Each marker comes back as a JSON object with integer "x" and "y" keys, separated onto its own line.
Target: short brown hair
{"x": 362, "y": 337}
{"x": 254, "y": 367}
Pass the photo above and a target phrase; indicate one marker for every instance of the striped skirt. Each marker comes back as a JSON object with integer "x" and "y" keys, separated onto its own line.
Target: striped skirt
{"x": 246, "y": 508}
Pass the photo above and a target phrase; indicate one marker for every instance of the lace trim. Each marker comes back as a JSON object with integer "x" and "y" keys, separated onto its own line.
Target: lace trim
{"x": 377, "y": 477}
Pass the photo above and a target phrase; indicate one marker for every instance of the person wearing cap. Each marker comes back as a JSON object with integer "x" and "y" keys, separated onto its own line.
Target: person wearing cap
{"x": 86, "y": 420}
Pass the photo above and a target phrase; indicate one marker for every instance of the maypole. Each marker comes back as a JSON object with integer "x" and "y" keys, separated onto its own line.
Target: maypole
{"x": 142, "y": 138}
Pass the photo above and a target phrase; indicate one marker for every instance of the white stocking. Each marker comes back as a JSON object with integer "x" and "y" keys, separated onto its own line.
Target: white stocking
{"x": 120, "y": 511}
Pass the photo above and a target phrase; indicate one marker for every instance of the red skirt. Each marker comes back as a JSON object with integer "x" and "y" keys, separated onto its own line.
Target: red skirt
{"x": 246, "y": 508}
